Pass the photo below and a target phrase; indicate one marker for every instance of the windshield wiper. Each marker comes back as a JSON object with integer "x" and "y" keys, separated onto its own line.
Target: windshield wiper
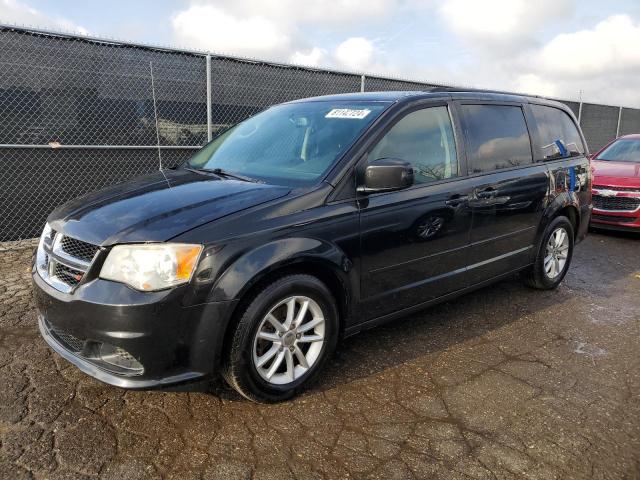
{"x": 224, "y": 173}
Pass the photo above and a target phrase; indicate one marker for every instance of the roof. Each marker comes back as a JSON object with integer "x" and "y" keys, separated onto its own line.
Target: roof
{"x": 364, "y": 97}
{"x": 442, "y": 92}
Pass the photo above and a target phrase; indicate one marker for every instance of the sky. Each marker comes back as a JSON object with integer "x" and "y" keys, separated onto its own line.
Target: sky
{"x": 567, "y": 49}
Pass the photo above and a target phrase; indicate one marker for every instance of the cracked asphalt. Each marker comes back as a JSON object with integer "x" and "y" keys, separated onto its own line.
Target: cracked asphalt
{"x": 503, "y": 383}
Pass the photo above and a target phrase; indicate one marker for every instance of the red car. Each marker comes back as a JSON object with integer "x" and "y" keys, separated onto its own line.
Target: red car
{"x": 616, "y": 185}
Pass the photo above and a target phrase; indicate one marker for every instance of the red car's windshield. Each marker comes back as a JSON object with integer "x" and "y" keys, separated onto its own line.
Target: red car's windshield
{"x": 624, "y": 150}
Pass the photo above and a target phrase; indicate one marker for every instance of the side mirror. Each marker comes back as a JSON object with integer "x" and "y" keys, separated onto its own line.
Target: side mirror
{"x": 386, "y": 175}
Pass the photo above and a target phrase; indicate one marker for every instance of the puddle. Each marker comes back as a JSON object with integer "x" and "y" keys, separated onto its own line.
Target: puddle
{"x": 592, "y": 351}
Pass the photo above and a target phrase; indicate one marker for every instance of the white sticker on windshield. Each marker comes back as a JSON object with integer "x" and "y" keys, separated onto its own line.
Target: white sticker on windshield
{"x": 347, "y": 113}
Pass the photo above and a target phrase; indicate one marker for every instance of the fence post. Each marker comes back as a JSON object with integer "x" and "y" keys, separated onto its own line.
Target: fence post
{"x": 362, "y": 83}
{"x": 580, "y": 114}
{"x": 209, "y": 129}
{"x": 619, "y": 121}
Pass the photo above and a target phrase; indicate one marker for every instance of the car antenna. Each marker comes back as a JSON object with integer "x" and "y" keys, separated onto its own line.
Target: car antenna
{"x": 155, "y": 115}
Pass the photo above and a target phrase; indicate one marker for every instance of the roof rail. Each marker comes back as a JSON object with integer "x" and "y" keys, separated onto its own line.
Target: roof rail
{"x": 475, "y": 90}
{"x": 481, "y": 90}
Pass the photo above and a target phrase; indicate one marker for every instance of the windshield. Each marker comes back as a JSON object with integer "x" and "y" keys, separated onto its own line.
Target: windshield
{"x": 292, "y": 144}
{"x": 625, "y": 150}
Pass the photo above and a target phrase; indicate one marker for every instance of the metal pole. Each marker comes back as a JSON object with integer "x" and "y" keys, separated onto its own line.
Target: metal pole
{"x": 362, "y": 83}
{"x": 619, "y": 121}
{"x": 155, "y": 114}
{"x": 209, "y": 126}
{"x": 580, "y": 114}
{"x": 580, "y": 110}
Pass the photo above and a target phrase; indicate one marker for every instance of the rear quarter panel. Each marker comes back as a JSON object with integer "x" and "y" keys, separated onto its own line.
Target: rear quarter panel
{"x": 570, "y": 179}
{"x": 570, "y": 186}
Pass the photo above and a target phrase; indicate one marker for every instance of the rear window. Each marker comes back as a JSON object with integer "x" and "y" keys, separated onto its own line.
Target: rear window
{"x": 555, "y": 125}
{"x": 497, "y": 137}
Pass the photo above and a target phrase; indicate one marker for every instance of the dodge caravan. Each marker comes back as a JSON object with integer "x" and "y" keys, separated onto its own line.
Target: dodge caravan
{"x": 308, "y": 222}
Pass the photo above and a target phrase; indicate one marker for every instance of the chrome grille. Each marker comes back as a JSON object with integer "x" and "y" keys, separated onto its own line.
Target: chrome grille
{"x": 68, "y": 275}
{"x": 62, "y": 261}
{"x": 617, "y": 189}
{"x": 48, "y": 239}
{"x": 42, "y": 262}
{"x": 615, "y": 203}
{"x": 78, "y": 249}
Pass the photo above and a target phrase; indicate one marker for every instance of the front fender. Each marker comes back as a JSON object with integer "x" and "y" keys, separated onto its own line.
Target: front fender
{"x": 250, "y": 267}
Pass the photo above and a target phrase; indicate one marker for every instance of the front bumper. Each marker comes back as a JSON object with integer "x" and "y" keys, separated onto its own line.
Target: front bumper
{"x": 168, "y": 343}
{"x": 616, "y": 219}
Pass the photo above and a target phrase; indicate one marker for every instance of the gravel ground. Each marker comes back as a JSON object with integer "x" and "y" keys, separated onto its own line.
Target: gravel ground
{"x": 506, "y": 382}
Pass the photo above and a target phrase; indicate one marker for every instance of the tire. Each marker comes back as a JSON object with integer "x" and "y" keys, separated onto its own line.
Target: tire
{"x": 246, "y": 350}
{"x": 538, "y": 275}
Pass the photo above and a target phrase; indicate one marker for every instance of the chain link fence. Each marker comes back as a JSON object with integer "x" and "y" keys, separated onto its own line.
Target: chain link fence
{"x": 629, "y": 121}
{"x": 78, "y": 114}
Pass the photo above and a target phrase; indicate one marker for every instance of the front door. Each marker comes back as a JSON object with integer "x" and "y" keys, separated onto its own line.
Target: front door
{"x": 414, "y": 242}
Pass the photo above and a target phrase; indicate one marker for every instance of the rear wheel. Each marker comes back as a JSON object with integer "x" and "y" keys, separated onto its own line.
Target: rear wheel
{"x": 553, "y": 257}
{"x": 283, "y": 338}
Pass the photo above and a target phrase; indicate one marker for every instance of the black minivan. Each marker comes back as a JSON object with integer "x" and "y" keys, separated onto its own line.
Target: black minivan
{"x": 310, "y": 221}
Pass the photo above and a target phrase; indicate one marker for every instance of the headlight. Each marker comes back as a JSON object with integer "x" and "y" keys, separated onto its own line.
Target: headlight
{"x": 152, "y": 266}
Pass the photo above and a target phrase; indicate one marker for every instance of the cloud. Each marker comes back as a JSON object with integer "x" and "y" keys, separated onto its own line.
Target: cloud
{"x": 312, "y": 58}
{"x": 603, "y": 62}
{"x": 355, "y": 53}
{"x": 511, "y": 49}
{"x": 210, "y": 28}
{"x": 514, "y": 45}
{"x": 277, "y": 29}
{"x": 12, "y": 11}
{"x": 502, "y": 24}
{"x": 532, "y": 83}
{"x": 293, "y": 12}
{"x": 612, "y": 47}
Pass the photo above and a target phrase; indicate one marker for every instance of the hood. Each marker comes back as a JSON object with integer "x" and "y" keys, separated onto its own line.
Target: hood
{"x": 157, "y": 207}
{"x": 616, "y": 174}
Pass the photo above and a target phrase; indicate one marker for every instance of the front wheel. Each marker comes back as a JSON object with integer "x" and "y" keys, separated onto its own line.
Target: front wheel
{"x": 554, "y": 256}
{"x": 283, "y": 338}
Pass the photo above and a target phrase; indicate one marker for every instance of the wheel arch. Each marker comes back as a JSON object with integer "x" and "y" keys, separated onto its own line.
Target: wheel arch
{"x": 573, "y": 214}
{"x": 564, "y": 204}
{"x": 255, "y": 269}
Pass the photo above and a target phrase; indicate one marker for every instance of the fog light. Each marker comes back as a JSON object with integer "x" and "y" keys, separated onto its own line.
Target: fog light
{"x": 120, "y": 358}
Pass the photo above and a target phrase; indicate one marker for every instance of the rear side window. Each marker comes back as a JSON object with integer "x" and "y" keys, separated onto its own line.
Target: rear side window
{"x": 423, "y": 138}
{"x": 497, "y": 137}
{"x": 553, "y": 125}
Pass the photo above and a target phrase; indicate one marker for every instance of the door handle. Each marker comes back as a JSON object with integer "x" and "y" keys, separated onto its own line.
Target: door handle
{"x": 456, "y": 200}
{"x": 489, "y": 192}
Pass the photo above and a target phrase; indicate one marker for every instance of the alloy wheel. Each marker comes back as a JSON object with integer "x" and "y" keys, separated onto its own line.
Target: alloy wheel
{"x": 556, "y": 253}
{"x": 289, "y": 340}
